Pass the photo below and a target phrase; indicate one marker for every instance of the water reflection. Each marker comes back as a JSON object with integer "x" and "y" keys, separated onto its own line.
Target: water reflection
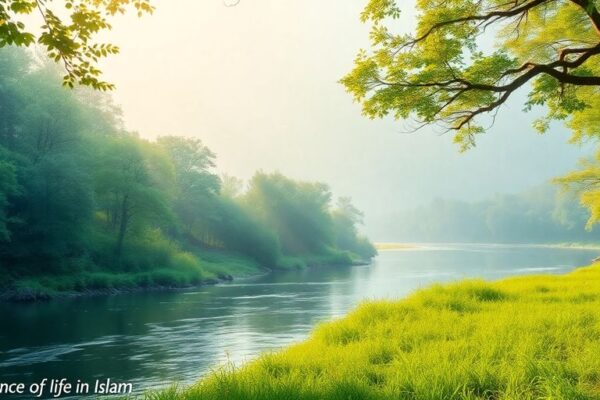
{"x": 154, "y": 338}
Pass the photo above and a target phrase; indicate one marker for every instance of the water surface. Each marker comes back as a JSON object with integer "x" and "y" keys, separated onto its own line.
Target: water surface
{"x": 154, "y": 338}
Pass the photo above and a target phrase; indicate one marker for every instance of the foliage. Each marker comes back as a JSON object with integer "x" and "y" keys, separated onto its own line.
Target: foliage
{"x": 297, "y": 211}
{"x": 239, "y": 231}
{"x": 132, "y": 179}
{"x": 540, "y": 215}
{"x": 82, "y": 197}
{"x": 346, "y": 219}
{"x": 70, "y": 40}
{"x": 531, "y": 338}
{"x": 586, "y": 182}
{"x": 196, "y": 186}
{"x": 8, "y": 188}
{"x": 446, "y": 74}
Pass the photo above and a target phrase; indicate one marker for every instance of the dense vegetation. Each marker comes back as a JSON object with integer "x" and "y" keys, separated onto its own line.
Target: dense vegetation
{"x": 541, "y": 215}
{"x": 86, "y": 205}
{"x": 534, "y": 337}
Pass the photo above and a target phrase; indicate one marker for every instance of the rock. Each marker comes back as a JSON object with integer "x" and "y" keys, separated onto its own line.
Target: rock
{"x": 224, "y": 277}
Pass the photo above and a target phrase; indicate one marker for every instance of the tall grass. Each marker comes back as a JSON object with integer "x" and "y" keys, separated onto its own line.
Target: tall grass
{"x": 534, "y": 337}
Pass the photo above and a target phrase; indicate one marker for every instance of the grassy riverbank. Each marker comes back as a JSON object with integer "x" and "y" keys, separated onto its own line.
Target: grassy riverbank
{"x": 534, "y": 337}
{"x": 179, "y": 270}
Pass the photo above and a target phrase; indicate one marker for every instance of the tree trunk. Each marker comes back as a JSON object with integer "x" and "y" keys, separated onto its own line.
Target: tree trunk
{"x": 123, "y": 225}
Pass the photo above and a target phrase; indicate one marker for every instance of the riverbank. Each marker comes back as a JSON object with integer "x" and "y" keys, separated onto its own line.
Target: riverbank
{"x": 213, "y": 268}
{"x": 528, "y": 337}
{"x": 389, "y": 246}
{"x": 571, "y": 246}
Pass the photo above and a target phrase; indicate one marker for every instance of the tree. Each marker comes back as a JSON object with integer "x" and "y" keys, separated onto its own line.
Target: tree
{"x": 231, "y": 186}
{"x": 71, "y": 40}
{"x": 8, "y": 187}
{"x": 346, "y": 217}
{"x": 197, "y": 186}
{"x": 586, "y": 182}
{"x": 132, "y": 185}
{"x": 49, "y": 218}
{"x": 443, "y": 73}
{"x": 297, "y": 211}
{"x": 240, "y": 231}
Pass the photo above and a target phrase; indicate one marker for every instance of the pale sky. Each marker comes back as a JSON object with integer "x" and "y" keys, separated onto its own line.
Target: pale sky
{"x": 258, "y": 84}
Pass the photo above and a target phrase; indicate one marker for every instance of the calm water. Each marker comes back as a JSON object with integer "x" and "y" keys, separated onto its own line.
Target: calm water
{"x": 151, "y": 339}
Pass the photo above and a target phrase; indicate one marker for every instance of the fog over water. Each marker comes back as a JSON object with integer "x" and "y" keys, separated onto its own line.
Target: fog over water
{"x": 258, "y": 84}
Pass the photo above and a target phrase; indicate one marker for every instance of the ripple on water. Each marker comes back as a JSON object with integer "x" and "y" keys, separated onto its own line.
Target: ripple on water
{"x": 43, "y": 354}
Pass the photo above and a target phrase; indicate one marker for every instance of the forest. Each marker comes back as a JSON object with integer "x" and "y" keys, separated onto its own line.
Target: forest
{"x": 544, "y": 214}
{"x": 86, "y": 205}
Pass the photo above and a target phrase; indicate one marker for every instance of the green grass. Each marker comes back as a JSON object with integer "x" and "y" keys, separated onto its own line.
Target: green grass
{"x": 534, "y": 337}
{"x": 219, "y": 263}
{"x": 150, "y": 264}
{"x": 179, "y": 269}
{"x": 46, "y": 286}
{"x": 332, "y": 257}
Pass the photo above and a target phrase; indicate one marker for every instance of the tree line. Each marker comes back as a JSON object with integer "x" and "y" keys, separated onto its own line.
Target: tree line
{"x": 538, "y": 215}
{"x": 80, "y": 193}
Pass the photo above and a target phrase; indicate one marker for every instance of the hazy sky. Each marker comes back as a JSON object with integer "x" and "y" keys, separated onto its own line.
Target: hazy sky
{"x": 258, "y": 84}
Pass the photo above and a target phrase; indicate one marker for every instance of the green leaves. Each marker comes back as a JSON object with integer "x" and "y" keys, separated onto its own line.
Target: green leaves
{"x": 586, "y": 182}
{"x": 442, "y": 74}
{"x": 69, "y": 41}
{"x": 377, "y": 10}
{"x": 8, "y": 187}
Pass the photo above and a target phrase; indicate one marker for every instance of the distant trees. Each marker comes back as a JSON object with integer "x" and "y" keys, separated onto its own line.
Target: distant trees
{"x": 540, "y": 215}
{"x": 77, "y": 192}
{"x": 297, "y": 211}
{"x": 346, "y": 219}
{"x": 195, "y": 185}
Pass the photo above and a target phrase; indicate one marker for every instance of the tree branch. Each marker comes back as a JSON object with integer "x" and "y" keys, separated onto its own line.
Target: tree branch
{"x": 490, "y": 17}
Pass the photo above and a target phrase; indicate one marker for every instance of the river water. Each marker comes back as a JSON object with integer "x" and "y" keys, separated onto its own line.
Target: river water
{"x": 155, "y": 338}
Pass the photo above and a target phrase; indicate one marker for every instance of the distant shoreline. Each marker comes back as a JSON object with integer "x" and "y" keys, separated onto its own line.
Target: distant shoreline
{"x": 31, "y": 295}
{"x": 390, "y": 246}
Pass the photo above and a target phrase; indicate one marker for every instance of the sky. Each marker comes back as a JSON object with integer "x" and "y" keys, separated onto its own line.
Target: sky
{"x": 258, "y": 84}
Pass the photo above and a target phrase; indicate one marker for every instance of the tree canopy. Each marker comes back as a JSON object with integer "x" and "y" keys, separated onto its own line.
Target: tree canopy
{"x": 67, "y": 30}
{"x": 444, "y": 73}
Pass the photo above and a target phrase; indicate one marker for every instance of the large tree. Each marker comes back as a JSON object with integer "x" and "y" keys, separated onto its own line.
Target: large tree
{"x": 445, "y": 72}
{"x": 297, "y": 211}
{"x": 133, "y": 187}
{"x": 196, "y": 185}
{"x": 67, "y": 29}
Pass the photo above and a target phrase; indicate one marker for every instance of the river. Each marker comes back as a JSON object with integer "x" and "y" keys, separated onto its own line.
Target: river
{"x": 151, "y": 339}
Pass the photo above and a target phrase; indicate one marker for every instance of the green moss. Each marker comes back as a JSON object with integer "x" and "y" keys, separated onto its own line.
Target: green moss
{"x": 469, "y": 340}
